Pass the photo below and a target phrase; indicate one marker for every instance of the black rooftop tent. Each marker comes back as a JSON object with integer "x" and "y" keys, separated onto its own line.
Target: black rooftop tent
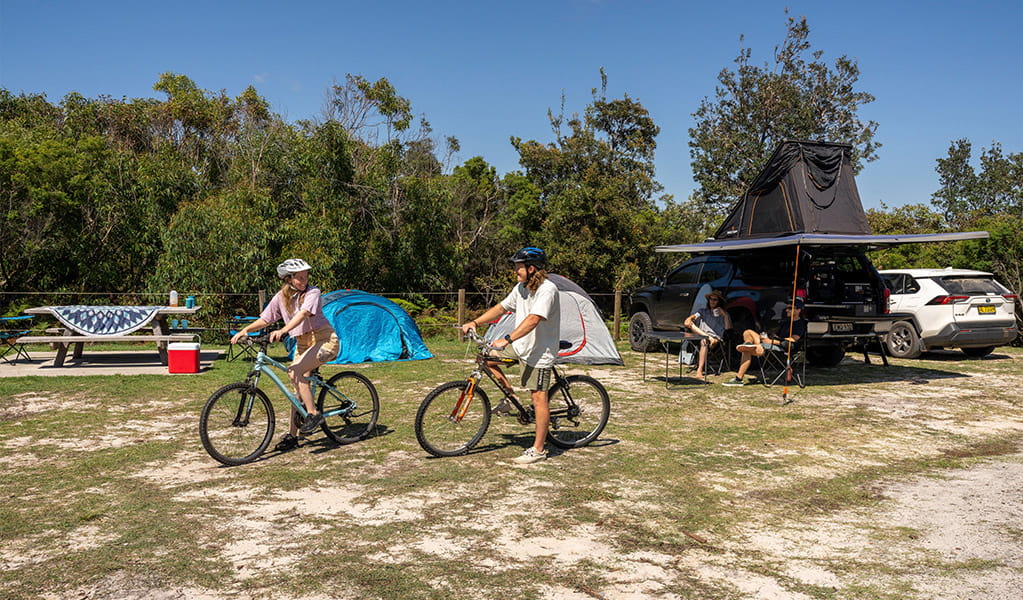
{"x": 805, "y": 195}
{"x": 805, "y": 187}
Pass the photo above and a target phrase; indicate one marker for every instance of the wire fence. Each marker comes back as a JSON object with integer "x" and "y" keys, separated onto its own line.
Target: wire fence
{"x": 433, "y": 311}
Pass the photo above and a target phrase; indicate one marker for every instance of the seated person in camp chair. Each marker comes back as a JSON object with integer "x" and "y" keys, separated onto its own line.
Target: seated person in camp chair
{"x": 711, "y": 321}
{"x": 791, "y": 329}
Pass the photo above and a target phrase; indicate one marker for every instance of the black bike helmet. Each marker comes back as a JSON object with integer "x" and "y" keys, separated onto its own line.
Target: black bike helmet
{"x": 530, "y": 256}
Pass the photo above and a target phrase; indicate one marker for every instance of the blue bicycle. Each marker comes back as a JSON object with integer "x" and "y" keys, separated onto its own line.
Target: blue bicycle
{"x": 237, "y": 422}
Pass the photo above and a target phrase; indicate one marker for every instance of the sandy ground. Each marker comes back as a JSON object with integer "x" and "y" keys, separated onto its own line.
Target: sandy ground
{"x": 968, "y": 516}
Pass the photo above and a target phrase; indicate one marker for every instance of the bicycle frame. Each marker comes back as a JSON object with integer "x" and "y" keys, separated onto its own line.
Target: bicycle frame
{"x": 238, "y": 420}
{"x": 263, "y": 364}
{"x": 448, "y": 423}
{"x": 483, "y": 367}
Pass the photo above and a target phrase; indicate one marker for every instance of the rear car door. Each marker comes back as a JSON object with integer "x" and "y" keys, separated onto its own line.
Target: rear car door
{"x": 904, "y": 293}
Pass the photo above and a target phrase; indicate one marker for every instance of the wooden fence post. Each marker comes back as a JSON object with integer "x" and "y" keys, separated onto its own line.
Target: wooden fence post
{"x": 460, "y": 314}
{"x": 262, "y": 301}
{"x": 618, "y": 315}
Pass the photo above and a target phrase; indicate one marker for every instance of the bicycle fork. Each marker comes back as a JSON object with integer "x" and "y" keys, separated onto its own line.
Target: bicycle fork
{"x": 241, "y": 418}
{"x": 464, "y": 399}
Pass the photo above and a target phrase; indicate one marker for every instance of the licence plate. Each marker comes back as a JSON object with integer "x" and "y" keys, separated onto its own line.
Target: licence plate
{"x": 841, "y": 327}
{"x": 986, "y": 310}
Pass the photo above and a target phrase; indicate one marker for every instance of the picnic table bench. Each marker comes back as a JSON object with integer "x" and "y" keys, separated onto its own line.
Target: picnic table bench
{"x": 77, "y": 334}
{"x": 62, "y": 343}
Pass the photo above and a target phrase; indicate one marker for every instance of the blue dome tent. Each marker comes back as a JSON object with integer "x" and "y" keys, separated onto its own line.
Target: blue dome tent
{"x": 370, "y": 328}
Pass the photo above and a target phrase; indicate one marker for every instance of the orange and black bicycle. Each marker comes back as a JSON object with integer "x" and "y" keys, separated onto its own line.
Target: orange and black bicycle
{"x": 453, "y": 418}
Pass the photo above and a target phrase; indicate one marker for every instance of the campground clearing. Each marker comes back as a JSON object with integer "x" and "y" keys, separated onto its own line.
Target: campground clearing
{"x": 898, "y": 482}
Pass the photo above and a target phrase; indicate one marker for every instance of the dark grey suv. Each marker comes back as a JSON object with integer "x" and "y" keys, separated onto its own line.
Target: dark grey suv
{"x": 846, "y": 299}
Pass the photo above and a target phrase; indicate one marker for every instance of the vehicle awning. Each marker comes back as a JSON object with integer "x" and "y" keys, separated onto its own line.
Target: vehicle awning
{"x": 822, "y": 239}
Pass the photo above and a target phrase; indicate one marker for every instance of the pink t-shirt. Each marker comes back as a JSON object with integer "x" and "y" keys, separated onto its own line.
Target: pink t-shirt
{"x": 275, "y": 311}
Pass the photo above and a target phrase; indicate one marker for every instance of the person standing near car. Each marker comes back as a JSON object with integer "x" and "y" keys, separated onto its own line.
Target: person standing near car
{"x": 713, "y": 322}
{"x": 298, "y": 305}
{"x": 533, "y": 341}
{"x": 790, "y": 331}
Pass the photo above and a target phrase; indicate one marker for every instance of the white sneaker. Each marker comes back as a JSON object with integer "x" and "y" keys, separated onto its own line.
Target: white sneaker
{"x": 531, "y": 456}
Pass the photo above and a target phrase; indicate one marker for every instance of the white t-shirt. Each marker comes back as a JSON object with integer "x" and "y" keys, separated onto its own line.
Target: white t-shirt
{"x": 539, "y": 348}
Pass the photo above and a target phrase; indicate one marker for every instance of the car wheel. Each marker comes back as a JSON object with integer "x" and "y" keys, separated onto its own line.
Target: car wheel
{"x": 639, "y": 325}
{"x": 824, "y": 356}
{"x": 978, "y": 352}
{"x": 903, "y": 341}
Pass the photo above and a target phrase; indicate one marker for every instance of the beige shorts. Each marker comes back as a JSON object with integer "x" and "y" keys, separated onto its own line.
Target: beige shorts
{"x": 323, "y": 337}
{"x": 533, "y": 379}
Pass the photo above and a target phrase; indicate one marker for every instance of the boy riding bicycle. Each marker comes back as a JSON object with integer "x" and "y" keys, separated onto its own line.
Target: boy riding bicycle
{"x": 534, "y": 341}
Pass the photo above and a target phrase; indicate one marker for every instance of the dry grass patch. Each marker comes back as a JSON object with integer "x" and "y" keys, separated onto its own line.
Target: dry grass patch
{"x": 694, "y": 491}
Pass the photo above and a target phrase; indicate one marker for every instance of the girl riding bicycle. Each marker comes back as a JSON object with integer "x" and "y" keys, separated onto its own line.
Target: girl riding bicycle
{"x": 298, "y": 304}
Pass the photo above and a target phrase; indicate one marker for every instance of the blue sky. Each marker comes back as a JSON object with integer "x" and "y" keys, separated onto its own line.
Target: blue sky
{"x": 484, "y": 71}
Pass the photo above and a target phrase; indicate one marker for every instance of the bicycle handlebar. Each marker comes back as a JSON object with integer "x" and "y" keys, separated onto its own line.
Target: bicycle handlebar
{"x": 262, "y": 339}
{"x": 482, "y": 343}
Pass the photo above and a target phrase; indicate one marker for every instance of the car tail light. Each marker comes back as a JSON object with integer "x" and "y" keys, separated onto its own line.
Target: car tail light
{"x": 947, "y": 299}
{"x": 887, "y": 301}
{"x": 1010, "y": 297}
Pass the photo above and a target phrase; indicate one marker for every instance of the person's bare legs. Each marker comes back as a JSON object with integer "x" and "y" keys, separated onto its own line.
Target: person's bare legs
{"x": 299, "y": 375}
{"x": 542, "y": 410}
{"x": 503, "y": 407}
{"x": 749, "y": 338}
{"x": 701, "y": 364}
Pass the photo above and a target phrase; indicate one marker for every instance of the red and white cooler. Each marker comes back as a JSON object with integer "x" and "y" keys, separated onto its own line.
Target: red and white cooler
{"x": 183, "y": 357}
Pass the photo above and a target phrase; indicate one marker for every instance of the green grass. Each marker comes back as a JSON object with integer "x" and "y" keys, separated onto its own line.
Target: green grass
{"x": 107, "y": 488}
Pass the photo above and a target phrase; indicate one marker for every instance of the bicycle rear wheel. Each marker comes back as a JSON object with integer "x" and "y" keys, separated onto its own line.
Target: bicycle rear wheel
{"x": 580, "y": 409}
{"x": 450, "y": 422}
{"x": 354, "y": 395}
{"x": 236, "y": 424}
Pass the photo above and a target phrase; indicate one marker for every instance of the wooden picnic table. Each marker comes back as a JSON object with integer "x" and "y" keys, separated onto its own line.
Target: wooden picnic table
{"x": 62, "y": 338}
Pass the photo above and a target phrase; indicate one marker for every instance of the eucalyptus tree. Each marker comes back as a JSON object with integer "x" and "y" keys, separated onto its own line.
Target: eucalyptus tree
{"x": 596, "y": 188}
{"x": 965, "y": 195}
{"x": 754, "y": 107}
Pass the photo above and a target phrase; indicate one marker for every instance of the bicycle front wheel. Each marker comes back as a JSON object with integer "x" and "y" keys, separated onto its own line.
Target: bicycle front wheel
{"x": 236, "y": 424}
{"x": 580, "y": 409}
{"x": 354, "y": 398}
{"x": 450, "y": 421}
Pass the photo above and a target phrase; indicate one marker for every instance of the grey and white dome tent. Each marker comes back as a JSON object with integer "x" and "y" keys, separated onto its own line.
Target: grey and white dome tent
{"x": 581, "y": 324}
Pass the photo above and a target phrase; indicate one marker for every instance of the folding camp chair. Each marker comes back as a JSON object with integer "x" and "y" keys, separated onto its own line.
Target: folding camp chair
{"x": 234, "y": 325}
{"x": 717, "y": 356}
{"x": 9, "y": 338}
{"x": 780, "y": 365}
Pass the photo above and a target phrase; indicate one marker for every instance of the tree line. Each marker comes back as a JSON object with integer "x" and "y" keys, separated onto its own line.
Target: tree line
{"x": 201, "y": 191}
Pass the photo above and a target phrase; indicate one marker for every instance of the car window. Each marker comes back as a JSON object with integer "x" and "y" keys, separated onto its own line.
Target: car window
{"x": 911, "y": 285}
{"x": 689, "y": 273}
{"x": 972, "y": 284}
{"x": 765, "y": 269}
{"x": 849, "y": 267}
{"x": 715, "y": 271}
{"x": 896, "y": 282}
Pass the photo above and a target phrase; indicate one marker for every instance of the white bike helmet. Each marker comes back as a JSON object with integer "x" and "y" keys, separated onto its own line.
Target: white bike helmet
{"x": 292, "y": 266}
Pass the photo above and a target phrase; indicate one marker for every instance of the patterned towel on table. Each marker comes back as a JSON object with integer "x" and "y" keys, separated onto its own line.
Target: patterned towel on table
{"x": 105, "y": 320}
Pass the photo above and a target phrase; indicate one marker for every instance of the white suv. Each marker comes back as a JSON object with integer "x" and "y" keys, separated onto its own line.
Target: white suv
{"x": 950, "y": 308}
